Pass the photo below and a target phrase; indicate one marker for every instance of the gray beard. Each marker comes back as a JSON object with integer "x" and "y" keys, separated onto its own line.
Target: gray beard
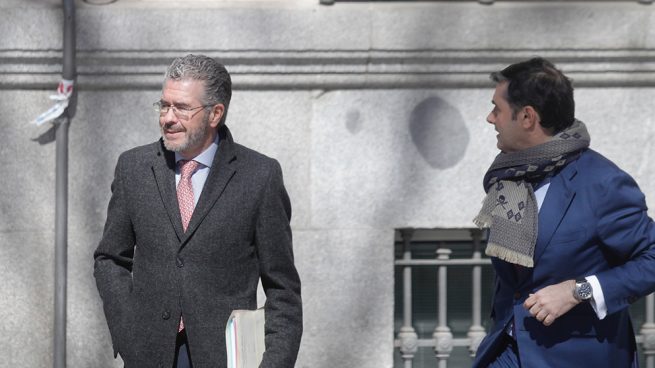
{"x": 193, "y": 138}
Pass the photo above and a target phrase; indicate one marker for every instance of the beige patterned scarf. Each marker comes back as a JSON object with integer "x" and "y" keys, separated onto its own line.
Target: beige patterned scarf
{"x": 510, "y": 209}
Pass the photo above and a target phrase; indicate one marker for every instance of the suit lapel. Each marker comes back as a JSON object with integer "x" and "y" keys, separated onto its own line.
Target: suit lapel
{"x": 505, "y": 271}
{"x": 557, "y": 201}
{"x": 164, "y": 170}
{"x": 222, "y": 170}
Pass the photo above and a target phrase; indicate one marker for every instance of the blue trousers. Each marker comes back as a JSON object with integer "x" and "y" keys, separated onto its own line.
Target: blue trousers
{"x": 182, "y": 356}
{"x": 508, "y": 356}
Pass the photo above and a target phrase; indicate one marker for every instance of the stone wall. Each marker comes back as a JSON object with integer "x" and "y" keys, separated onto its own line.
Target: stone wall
{"x": 376, "y": 112}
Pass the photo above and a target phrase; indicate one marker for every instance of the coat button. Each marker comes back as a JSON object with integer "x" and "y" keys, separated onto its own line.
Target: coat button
{"x": 517, "y": 295}
{"x": 179, "y": 262}
{"x": 165, "y": 315}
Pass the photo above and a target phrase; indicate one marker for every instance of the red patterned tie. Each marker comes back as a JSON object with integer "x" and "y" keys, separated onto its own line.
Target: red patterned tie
{"x": 185, "y": 199}
{"x": 185, "y": 191}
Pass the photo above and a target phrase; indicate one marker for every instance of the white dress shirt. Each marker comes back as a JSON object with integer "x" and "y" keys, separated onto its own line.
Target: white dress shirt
{"x": 198, "y": 179}
{"x": 598, "y": 299}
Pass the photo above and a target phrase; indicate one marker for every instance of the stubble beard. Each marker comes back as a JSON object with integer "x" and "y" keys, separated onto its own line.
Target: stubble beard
{"x": 194, "y": 137}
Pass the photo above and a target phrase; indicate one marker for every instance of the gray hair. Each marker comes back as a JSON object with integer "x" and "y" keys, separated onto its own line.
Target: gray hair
{"x": 218, "y": 85}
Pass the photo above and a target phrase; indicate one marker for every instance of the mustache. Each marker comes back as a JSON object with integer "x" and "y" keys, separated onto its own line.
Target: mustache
{"x": 172, "y": 126}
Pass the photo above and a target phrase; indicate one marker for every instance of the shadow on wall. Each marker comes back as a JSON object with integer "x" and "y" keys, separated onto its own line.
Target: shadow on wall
{"x": 47, "y": 136}
{"x": 439, "y": 133}
{"x": 416, "y": 137}
{"x": 354, "y": 122}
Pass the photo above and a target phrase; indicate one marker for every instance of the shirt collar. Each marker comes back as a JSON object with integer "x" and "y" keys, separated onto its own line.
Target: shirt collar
{"x": 544, "y": 182}
{"x": 206, "y": 157}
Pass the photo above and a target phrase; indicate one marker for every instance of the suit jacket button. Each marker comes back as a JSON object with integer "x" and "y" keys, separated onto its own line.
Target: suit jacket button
{"x": 517, "y": 295}
{"x": 165, "y": 315}
{"x": 179, "y": 262}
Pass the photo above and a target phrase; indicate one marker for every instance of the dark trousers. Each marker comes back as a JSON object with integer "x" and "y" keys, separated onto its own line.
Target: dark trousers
{"x": 508, "y": 355}
{"x": 182, "y": 356}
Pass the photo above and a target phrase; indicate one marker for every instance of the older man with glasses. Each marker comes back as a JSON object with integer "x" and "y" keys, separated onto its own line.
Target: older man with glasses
{"x": 195, "y": 220}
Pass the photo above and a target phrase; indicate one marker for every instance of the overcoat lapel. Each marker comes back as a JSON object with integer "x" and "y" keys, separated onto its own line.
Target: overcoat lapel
{"x": 164, "y": 169}
{"x": 222, "y": 170}
{"x": 557, "y": 202}
{"x": 220, "y": 174}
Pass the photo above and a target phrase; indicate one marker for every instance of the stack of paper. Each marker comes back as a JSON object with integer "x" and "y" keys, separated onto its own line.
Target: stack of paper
{"x": 244, "y": 338}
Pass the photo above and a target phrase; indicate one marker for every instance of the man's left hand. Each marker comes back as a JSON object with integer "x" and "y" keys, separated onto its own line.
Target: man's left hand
{"x": 551, "y": 302}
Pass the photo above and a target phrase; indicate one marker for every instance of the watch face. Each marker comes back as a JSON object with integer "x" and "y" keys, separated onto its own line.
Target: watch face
{"x": 584, "y": 291}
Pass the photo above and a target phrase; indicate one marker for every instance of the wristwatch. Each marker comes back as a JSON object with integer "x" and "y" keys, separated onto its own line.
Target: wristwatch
{"x": 582, "y": 291}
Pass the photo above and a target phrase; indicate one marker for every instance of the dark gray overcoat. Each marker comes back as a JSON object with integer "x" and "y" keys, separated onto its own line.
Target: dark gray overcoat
{"x": 149, "y": 271}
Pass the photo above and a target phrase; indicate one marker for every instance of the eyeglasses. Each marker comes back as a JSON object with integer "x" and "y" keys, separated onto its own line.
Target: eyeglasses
{"x": 184, "y": 113}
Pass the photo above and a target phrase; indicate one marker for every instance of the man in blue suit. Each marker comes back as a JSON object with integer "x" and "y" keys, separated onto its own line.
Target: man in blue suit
{"x": 570, "y": 238}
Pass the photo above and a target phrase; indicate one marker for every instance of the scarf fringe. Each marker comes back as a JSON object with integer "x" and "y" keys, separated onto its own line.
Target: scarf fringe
{"x": 482, "y": 221}
{"x": 508, "y": 255}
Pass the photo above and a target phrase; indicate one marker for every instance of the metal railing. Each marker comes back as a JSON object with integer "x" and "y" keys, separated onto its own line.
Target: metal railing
{"x": 442, "y": 340}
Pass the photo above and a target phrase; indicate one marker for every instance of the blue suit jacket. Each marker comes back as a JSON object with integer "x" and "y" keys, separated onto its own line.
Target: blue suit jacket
{"x": 593, "y": 221}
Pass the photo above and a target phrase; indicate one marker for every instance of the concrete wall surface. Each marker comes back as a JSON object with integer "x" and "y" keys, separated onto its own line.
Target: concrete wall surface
{"x": 375, "y": 110}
